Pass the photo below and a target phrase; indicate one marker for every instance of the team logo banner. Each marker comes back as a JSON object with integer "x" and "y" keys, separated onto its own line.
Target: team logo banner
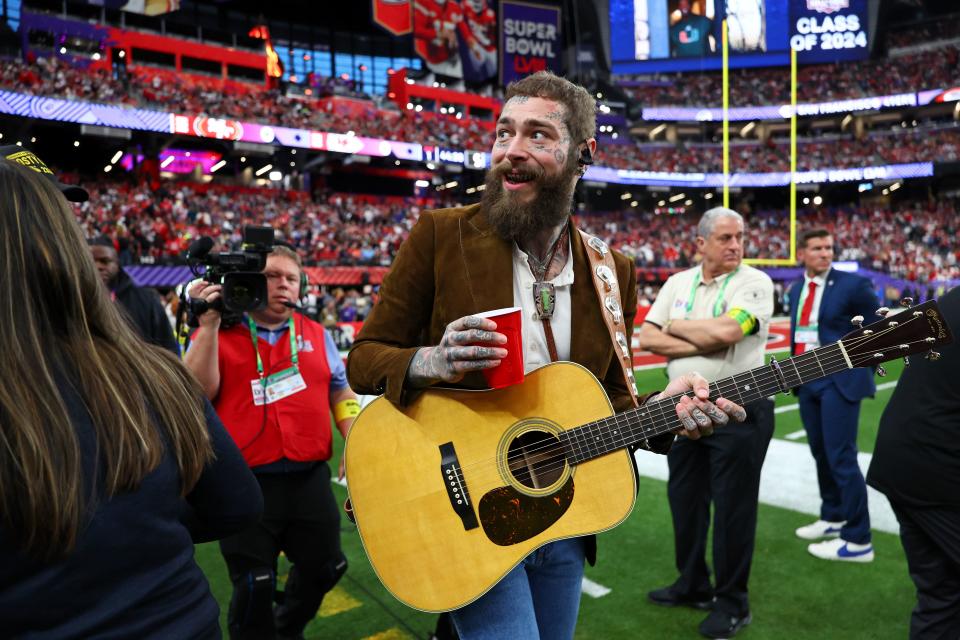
{"x": 393, "y": 15}
{"x": 529, "y": 39}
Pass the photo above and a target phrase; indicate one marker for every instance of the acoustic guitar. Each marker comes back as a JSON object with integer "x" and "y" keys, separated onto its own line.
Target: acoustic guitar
{"x": 453, "y": 491}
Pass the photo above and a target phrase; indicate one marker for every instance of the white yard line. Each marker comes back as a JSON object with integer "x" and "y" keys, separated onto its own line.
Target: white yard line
{"x": 789, "y": 481}
{"x": 795, "y": 406}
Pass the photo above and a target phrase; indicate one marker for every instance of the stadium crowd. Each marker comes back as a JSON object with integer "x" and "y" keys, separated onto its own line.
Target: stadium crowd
{"x": 916, "y": 238}
{"x": 947, "y": 28}
{"x": 157, "y": 226}
{"x": 351, "y": 230}
{"x": 893, "y": 146}
{"x": 162, "y": 89}
{"x": 154, "y": 88}
{"x": 936, "y": 69}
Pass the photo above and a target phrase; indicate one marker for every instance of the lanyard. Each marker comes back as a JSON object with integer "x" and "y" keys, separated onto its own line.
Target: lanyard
{"x": 293, "y": 346}
{"x": 718, "y": 305}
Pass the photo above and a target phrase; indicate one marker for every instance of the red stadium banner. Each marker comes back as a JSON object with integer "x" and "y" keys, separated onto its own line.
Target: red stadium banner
{"x": 393, "y": 15}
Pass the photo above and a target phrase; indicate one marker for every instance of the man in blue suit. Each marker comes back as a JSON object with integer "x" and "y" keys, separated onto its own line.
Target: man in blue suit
{"x": 821, "y": 306}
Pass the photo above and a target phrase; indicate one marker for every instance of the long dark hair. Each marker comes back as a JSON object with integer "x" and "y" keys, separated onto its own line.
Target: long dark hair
{"x": 58, "y": 321}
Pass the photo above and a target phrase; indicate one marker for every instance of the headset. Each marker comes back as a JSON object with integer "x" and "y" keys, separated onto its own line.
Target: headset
{"x": 304, "y": 280}
{"x": 304, "y": 283}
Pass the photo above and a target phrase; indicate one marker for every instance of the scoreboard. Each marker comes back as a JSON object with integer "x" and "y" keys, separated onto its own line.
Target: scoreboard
{"x": 649, "y": 36}
{"x": 840, "y": 34}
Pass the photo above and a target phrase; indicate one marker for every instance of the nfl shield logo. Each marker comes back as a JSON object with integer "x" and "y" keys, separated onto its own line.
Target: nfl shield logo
{"x": 827, "y": 6}
{"x": 393, "y": 15}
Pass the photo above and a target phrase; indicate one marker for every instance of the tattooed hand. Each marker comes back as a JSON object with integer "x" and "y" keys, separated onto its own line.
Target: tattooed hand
{"x": 699, "y": 415}
{"x": 458, "y": 352}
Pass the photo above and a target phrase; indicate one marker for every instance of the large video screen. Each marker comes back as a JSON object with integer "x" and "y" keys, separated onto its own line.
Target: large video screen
{"x": 649, "y": 36}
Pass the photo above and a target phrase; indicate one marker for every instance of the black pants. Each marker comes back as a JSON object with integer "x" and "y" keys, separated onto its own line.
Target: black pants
{"x": 302, "y": 519}
{"x": 723, "y": 469}
{"x": 931, "y": 541}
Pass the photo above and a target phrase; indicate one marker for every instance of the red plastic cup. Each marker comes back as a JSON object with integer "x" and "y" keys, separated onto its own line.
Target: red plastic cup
{"x": 510, "y": 369}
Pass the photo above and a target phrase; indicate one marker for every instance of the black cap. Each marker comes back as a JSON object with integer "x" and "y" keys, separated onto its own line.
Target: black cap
{"x": 28, "y": 159}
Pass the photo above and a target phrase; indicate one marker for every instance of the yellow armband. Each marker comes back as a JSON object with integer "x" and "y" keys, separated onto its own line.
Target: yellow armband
{"x": 746, "y": 320}
{"x": 349, "y": 408}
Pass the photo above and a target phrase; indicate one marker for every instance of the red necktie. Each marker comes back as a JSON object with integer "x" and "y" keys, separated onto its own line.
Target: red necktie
{"x": 805, "y": 313}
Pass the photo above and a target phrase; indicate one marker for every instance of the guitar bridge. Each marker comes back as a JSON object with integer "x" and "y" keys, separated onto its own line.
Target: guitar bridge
{"x": 456, "y": 486}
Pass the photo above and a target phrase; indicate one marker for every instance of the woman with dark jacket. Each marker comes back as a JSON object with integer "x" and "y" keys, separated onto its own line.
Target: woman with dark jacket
{"x": 112, "y": 463}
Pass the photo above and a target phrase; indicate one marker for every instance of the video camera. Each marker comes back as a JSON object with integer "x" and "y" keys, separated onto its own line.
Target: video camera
{"x": 238, "y": 272}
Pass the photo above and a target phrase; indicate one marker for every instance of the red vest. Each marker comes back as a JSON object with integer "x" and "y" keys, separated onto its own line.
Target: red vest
{"x": 296, "y": 427}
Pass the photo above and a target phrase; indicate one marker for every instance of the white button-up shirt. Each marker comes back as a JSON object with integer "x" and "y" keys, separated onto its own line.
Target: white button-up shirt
{"x": 535, "y": 351}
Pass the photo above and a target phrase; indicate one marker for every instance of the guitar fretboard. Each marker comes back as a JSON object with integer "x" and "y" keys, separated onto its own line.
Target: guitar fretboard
{"x": 632, "y": 427}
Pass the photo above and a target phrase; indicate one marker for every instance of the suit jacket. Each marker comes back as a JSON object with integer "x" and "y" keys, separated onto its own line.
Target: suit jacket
{"x": 844, "y": 296}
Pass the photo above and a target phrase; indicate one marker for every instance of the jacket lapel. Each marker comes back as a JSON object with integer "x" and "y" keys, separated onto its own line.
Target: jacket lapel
{"x": 829, "y": 287}
{"x": 487, "y": 263}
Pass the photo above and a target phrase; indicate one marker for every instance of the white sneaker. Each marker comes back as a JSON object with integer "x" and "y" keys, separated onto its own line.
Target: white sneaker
{"x": 842, "y": 550}
{"x": 820, "y": 529}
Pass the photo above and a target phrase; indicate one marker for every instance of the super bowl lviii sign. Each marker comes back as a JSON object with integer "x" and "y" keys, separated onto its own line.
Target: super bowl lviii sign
{"x": 529, "y": 39}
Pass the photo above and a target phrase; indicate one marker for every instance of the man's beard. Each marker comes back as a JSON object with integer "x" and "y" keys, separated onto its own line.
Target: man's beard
{"x": 513, "y": 220}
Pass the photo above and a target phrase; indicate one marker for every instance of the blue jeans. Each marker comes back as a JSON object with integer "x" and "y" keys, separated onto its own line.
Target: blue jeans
{"x": 539, "y": 598}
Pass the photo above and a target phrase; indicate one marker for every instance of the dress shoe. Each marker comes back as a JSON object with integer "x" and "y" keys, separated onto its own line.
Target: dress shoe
{"x": 667, "y": 597}
{"x": 820, "y": 529}
{"x": 720, "y": 624}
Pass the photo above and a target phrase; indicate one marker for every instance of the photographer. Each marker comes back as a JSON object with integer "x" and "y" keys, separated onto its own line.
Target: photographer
{"x": 274, "y": 380}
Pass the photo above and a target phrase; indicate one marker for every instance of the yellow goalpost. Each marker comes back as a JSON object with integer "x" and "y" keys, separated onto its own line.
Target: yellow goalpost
{"x": 792, "y": 260}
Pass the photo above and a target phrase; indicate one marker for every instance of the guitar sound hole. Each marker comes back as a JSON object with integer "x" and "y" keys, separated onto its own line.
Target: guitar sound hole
{"x": 536, "y": 459}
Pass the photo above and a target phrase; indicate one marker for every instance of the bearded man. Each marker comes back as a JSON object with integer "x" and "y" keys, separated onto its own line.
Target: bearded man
{"x": 463, "y": 261}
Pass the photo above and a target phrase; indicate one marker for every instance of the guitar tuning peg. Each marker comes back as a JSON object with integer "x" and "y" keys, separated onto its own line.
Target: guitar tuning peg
{"x": 881, "y": 371}
{"x": 906, "y": 302}
{"x": 906, "y": 361}
{"x": 883, "y": 311}
{"x": 933, "y": 355}
{"x": 857, "y": 321}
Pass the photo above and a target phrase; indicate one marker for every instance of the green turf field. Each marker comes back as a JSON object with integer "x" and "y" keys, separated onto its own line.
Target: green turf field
{"x": 793, "y": 595}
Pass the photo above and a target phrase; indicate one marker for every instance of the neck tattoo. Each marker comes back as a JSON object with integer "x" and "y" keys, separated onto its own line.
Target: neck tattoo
{"x": 540, "y": 267}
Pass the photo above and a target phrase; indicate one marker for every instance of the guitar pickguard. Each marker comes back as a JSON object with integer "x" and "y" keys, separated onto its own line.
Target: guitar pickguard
{"x": 509, "y": 517}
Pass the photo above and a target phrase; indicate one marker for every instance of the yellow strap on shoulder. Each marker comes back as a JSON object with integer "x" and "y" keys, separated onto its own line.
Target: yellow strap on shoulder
{"x": 349, "y": 408}
{"x": 746, "y": 320}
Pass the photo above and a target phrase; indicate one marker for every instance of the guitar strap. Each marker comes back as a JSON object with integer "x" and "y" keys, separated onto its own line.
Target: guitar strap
{"x": 608, "y": 295}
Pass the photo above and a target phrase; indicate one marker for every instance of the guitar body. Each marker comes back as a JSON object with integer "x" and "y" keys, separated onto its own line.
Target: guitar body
{"x": 453, "y": 491}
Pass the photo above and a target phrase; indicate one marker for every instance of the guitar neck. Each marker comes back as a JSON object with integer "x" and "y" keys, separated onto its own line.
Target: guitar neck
{"x": 632, "y": 427}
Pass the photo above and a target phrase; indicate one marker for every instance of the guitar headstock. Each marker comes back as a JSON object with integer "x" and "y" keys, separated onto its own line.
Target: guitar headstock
{"x": 913, "y": 330}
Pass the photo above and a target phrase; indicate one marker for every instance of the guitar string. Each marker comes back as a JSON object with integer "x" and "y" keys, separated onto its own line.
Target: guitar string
{"x": 606, "y": 437}
{"x": 775, "y": 386}
{"x": 609, "y": 430}
{"x": 725, "y": 388}
{"x": 616, "y": 418}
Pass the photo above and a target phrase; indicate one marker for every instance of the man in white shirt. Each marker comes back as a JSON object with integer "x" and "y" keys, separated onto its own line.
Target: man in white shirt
{"x": 714, "y": 319}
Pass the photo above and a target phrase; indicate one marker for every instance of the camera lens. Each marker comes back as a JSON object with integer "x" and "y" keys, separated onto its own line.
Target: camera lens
{"x": 244, "y": 291}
